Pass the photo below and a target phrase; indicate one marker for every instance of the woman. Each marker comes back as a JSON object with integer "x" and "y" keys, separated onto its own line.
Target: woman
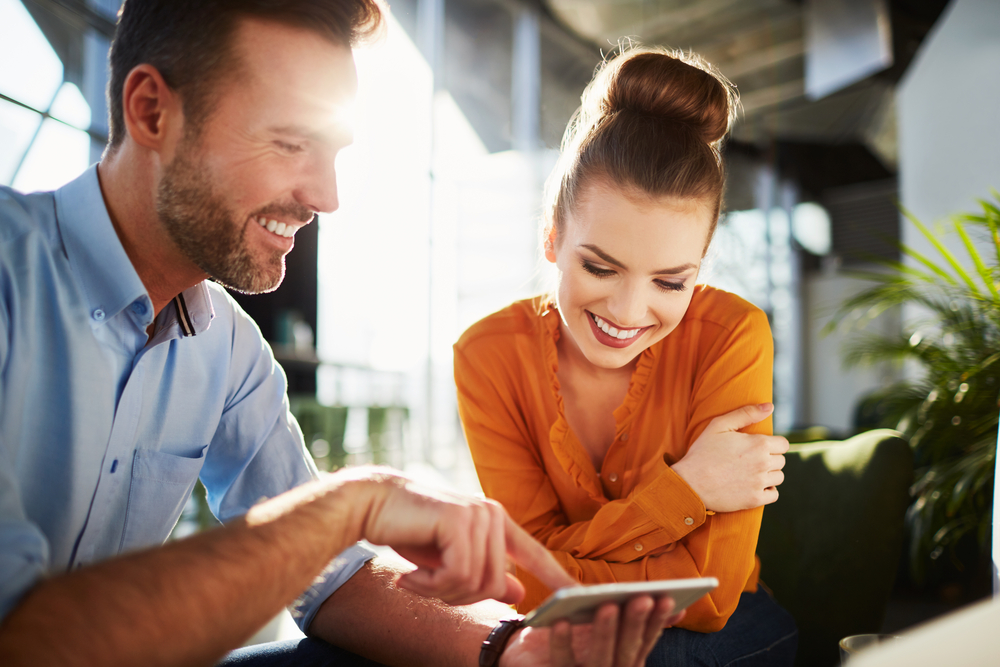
{"x": 605, "y": 418}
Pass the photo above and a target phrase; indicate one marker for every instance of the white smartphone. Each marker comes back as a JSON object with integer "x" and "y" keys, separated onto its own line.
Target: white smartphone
{"x": 579, "y": 603}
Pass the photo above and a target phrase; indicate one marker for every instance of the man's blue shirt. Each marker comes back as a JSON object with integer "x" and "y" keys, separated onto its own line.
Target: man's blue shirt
{"x": 104, "y": 430}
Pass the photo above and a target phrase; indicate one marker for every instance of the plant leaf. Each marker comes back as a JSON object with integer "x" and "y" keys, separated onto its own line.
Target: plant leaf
{"x": 981, "y": 269}
{"x": 950, "y": 258}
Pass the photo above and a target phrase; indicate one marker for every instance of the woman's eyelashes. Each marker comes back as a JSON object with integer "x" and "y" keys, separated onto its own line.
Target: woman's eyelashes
{"x": 596, "y": 270}
{"x": 668, "y": 286}
{"x": 664, "y": 285}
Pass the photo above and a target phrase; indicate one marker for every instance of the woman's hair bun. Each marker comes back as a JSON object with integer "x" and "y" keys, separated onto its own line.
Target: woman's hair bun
{"x": 674, "y": 86}
{"x": 651, "y": 121}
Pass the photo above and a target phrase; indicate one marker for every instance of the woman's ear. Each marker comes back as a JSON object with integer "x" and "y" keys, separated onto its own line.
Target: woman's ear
{"x": 550, "y": 244}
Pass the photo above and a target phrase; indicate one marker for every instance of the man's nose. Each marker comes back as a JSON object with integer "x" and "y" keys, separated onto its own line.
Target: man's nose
{"x": 318, "y": 185}
{"x": 627, "y": 305}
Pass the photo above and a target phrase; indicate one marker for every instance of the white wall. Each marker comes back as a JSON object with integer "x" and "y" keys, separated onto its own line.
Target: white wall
{"x": 949, "y": 115}
{"x": 833, "y": 389}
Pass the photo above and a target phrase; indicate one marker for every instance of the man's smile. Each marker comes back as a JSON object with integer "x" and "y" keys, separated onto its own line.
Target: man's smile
{"x": 279, "y": 228}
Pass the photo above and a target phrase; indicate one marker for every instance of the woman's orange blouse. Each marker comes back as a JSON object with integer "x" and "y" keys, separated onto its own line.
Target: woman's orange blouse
{"x": 636, "y": 520}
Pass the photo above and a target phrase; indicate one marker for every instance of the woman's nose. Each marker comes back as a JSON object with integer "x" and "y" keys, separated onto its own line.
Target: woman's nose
{"x": 627, "y": 306}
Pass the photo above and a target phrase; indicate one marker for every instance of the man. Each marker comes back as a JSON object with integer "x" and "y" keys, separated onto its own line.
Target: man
{"x": 125, "y": 375}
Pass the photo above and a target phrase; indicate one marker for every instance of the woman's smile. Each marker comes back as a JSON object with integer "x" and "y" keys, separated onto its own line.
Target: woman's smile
{"x": 612, "y": 336}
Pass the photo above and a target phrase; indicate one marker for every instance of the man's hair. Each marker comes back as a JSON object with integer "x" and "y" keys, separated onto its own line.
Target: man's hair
{"x": 189, "y": 42}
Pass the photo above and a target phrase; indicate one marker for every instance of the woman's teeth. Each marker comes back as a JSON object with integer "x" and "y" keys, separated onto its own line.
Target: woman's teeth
{"x": 275, "y": 227}
{"x": 620, "y": 334}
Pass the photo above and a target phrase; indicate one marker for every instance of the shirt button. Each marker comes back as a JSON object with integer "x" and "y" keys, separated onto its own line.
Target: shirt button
{"x": 624, "y": 437}
{"x": 139, "y": 308}
{"x": 688, "y": 520}
{"x": 98, "y": 314}
{"x": 638, "y": 546}
{"x": 613, "y": 477}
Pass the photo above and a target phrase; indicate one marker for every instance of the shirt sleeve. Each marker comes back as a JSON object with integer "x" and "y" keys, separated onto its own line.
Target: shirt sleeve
{"x": 258, "y": 453}
{"x": 24, "y": 551}
{"x": 636, "y": 538}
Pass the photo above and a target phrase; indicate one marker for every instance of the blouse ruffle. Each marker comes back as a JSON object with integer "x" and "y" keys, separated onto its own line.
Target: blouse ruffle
{"x": 575, "y": 460}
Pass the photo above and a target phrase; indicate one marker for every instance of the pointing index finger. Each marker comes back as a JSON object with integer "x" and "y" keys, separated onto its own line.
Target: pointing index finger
{"x": 535, "y": 558}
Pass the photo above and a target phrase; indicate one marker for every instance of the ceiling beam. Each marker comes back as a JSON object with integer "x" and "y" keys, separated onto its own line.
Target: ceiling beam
{"x": 675, "y": 21}
{"x": 755, "y": 101}
{"x": 762, "y": 59}
{"x": 732, "y": 41}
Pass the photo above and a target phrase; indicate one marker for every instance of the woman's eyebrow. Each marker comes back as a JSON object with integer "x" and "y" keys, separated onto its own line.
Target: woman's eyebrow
{"x": 603, "y": 255}
{"x": 675, "y": 270}
{"x": 611, "y": 260}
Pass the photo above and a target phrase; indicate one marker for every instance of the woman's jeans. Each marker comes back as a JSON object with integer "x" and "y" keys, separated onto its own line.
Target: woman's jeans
{"x": 759, "y": 633}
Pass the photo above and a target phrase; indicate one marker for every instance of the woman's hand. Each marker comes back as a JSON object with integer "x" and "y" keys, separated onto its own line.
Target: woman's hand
{"x": 733, "y": 471}
{"x": 607, "y": 642}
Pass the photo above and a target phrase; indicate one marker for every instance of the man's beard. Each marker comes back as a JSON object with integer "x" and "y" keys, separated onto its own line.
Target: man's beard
{"x": 207, "y": 232}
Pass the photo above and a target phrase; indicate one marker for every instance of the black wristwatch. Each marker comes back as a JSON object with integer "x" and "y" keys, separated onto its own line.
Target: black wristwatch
{"x": 489, "y": 654}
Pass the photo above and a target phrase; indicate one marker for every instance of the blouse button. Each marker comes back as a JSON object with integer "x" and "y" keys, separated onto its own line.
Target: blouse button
{"x": 688, "y": 520}
{"x": 613, "y": 477}
{"x": 624, "y": 437}
{"x": 638, "y": 546}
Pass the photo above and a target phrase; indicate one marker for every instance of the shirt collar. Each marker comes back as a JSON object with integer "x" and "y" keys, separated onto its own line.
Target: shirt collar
{"x": 104, "y": 271}
{"x": 193, "y": 309}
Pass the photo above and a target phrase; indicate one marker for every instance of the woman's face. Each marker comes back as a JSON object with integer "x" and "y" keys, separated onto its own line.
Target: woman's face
{"x": 627, "y": 269}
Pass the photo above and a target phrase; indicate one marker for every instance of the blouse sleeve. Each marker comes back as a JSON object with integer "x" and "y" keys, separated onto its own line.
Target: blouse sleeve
{"x": 661, "y": 531}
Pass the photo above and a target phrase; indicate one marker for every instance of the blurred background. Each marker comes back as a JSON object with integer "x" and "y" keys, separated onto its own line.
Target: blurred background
{"x": 851, "y": 108}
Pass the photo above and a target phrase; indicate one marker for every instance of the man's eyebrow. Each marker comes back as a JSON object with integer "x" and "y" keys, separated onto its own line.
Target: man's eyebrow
{"x": 342, "y": 135}
{"x": 296, "y": 130}
{"x": 611, "y": 260}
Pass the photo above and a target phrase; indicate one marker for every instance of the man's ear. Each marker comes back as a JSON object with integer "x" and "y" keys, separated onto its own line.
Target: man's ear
{"x": 152, "y": 110}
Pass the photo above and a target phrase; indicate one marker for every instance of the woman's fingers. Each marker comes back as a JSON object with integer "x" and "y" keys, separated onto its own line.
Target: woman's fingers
{"x": 740, "y": 418}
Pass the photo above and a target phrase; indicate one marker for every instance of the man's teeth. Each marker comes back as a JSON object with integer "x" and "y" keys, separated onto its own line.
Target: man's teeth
{"x": 620, "y": 334}
{"x": 275, "y": 227}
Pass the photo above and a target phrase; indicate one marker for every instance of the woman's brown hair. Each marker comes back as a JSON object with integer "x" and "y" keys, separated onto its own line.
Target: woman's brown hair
{"x": 653, "y": 121}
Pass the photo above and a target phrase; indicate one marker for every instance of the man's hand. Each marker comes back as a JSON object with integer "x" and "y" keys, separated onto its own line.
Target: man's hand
{"x": 604, "y": 643}
{"x": 733, "y": 471}
{"x": 459, "y": 544}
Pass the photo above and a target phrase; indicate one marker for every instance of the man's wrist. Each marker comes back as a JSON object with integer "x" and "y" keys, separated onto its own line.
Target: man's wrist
{"x": 494, "y": 645}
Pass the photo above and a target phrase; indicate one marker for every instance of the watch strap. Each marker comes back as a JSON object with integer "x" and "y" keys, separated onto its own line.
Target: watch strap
{"x": 489, "y": 654}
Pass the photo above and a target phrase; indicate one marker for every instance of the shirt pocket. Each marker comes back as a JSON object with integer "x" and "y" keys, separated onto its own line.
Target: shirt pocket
{"x": 161, "y": 485}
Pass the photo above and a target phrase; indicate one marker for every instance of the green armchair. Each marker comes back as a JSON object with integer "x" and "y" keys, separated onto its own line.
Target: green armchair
{"x": 830, "y": 547}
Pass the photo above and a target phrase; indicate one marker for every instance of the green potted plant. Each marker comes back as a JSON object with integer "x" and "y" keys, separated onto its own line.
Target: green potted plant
{"x": 948, "y": 409}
